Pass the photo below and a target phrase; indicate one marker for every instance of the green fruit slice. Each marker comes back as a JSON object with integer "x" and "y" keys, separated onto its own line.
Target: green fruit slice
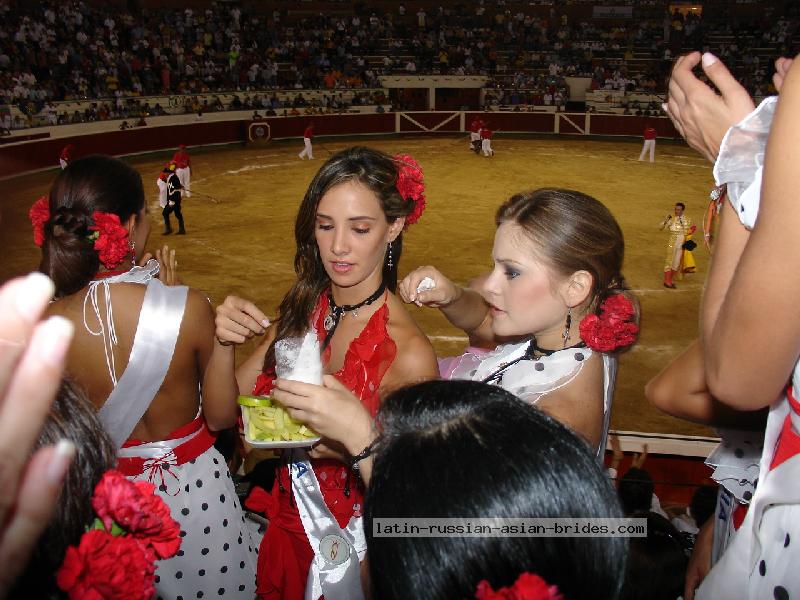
{"x": 255, "y": 401}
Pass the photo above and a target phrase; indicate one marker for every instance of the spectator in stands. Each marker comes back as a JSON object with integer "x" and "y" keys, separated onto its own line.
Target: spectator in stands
{"x": 657, "y": 562}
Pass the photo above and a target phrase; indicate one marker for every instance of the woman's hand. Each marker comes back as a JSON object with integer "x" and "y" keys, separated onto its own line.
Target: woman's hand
{"x": 444, "y": 291}
{"x": 781, "y": 69}
{"x": 168, "y": 266}
{"x": 330, "y": 409}
{"x": 700, "y": 561}
{"x": 700, "y": 114}
{"x": 32, "y": 357}
{"x": 237, "y": 320}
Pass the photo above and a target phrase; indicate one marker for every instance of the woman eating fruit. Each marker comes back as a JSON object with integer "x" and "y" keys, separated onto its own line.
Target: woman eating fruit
{"x": 349, "y": 241}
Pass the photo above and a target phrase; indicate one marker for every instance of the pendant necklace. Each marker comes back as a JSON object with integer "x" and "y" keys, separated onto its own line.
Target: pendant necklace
{"x": 337, "y": 312}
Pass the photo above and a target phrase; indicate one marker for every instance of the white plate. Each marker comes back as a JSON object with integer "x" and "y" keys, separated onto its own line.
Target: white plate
{"x": 275, "y": 445}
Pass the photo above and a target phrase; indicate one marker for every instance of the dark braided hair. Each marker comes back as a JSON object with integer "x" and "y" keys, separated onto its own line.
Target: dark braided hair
{"x": 93, "y": 183}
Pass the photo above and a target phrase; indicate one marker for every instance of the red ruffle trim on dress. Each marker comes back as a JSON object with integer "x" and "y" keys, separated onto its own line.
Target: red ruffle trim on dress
{"x": 285, "y": 555}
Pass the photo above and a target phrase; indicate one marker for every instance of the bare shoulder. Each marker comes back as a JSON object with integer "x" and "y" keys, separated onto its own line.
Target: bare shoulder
{"x": 198, "y": 303}
{"x": 579, "y": 404}
{"x": 416, "y": 358}
{"x": 198, "y": 316}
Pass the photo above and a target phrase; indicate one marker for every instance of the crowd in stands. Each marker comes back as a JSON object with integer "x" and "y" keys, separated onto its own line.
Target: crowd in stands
{"x": 51, "y": 51}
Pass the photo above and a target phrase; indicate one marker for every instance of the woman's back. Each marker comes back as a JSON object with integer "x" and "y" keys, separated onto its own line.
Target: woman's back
{"x": 177, "y": 401}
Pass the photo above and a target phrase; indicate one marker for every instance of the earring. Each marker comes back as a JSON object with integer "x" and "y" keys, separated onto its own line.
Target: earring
{"x": 389, "y": 262}
{"x": 567, "y": 326}
{"x": 132, "y": 244}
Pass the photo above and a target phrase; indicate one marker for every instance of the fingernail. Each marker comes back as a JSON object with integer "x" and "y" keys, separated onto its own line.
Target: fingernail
{"x": 664, "y": 107}
{"x": 265, "y": 323}
{"x": 709, "y": 59}
{"x": 51, "y": 341}
{"x": 33, "y": 295}
{"x": 62, "y": 456}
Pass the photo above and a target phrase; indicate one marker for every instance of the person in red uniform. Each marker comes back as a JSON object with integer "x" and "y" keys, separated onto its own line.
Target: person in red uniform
{"x": 486, "y": 141}
{"x": 308, "y": 135}
{"x": 66, "y": 155}
{"x": 183, "y": 169}
{"x": 475, "y": 135}
{"x": 649, "y": 142}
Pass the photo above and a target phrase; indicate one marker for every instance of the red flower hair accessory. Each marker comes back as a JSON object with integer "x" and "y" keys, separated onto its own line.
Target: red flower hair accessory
{"x": 115, "y": 558}
{"x": 110, "y": 239}
{"x": 411, "y": 186}
{"x": 613, "y": 328}
{"x": 39, "y": 214}
{"x": 527, "y": 587}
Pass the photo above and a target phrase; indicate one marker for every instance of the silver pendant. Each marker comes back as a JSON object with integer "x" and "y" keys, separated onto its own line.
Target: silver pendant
{"x": 329, "y": 322}
{"x": 355, "y": 313}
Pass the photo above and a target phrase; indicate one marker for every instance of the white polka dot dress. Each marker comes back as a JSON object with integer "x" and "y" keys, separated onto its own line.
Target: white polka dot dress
{"x": 530, "y": 380}
{"x": 217, "y": 558}
{"x": 762, "y": 560}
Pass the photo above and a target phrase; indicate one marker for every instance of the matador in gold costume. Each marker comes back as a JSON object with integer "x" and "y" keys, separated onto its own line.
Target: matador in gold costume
{"x": 679, "y": 227}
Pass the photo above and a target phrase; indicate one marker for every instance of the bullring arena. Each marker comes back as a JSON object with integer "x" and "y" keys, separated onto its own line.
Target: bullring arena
{"x": 240, "y": 225}
{"x": 567, "y": 87}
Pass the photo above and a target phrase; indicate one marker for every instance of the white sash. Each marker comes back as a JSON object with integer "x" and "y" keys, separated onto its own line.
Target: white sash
{"x": 335, "y": 571}
{"x": 151, "y": 354}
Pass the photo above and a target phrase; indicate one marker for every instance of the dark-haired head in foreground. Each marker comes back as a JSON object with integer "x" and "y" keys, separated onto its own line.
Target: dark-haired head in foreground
{"x": 462, "y": 449}
{"x": 71, "y": 418}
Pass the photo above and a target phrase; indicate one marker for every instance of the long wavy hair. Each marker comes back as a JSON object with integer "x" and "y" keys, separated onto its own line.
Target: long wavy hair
{"x": 377, "y": 172}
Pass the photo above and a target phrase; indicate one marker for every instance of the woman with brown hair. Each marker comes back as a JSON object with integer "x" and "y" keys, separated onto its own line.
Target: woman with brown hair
{"x": 556, "y": 289}
{"x": 349, "y": 240}
{"x": 155, "y": 341}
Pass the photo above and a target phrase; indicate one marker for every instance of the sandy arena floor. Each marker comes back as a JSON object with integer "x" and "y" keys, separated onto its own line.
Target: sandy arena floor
{"x": 244, "y": 243}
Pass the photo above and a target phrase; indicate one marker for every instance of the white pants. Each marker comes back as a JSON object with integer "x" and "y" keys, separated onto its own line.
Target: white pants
{"x": 307, "y": 151}
{"x": 473, "y": 137}
{"x": 185, "y": 177}
{"x": 651, "y": 145}
{"x": 63, "y": 163}
{"x": 486, "y": 146}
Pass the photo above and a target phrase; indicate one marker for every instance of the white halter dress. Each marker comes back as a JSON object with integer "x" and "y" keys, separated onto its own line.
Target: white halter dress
{"x": 763, "y": 556}
{"x": 217, "y": 557}
{"x": 530, "y": 380}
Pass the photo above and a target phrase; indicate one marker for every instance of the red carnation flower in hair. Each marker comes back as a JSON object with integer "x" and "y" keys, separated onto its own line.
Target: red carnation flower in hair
{"x": 411, "y": 186}
{"x": 39, "y": 214}
{"x": 162, "y": 535}
{"x": 618, "y": 308}
{"x": 134, "y": 507}
{"x": 527, "y": 587}
{"x": 105, "y": 566}
{"x": 111, "y": 242}
{"x": 613, "y": 328}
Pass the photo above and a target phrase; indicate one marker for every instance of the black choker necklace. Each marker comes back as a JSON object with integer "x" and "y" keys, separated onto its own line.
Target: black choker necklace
{"x": 337, "y": 312}
{"x": 532, "y": 352}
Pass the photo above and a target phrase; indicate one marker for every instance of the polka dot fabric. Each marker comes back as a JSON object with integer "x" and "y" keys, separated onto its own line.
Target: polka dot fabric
{"x": 217, "y": 558}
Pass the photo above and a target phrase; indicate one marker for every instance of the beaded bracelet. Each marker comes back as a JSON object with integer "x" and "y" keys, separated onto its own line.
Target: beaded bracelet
{"x": 365, "y": 453}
